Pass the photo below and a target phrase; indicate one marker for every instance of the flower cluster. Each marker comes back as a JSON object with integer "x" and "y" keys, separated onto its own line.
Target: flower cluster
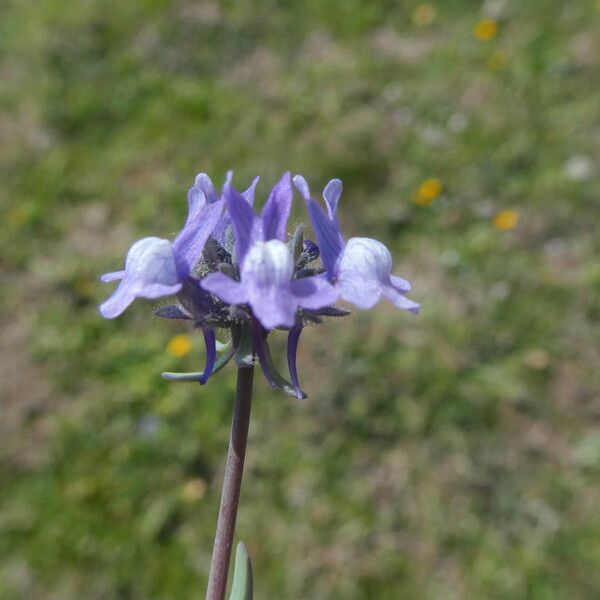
{"x": 231, "y": 268}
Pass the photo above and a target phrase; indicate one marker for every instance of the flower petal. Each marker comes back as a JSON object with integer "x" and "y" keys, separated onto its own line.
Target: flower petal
{"x": 329, "y": 237}
{"x": 211, "y": 353}
{"x": 266, "y": 275}
{"x": 399, "y": 300}
{"x": 225, "y": 288}
{"x": 331, "y": 194}
{"x": 276, "y": 211}
{"x": 365, "y": 274}
{"x": 205, "y": 185}
{"x": 302, "y": 186}
{"x": 292, "y": 351}
{"x": 115, "y": 276}
{"x": 314, "y": 292}
{"x": 118, "y": 301}
{"x": 370, "y": 258}
{"x": 274, "y": 306}
{"x": 199, "y": 195}
{"x": 188, "y": 245}
{"x": 243, "y": 219}
{"x": 267, "y": 264}
{"x": 150, "y": 272}
{"x": 249, "y": 193}
{"x": 272, "y": 375}
{"x": 401, "y": 285}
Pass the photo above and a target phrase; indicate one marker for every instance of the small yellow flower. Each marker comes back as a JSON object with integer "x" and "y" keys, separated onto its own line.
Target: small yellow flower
{"x": 424, "y": 14}
{"x": 428, "y": 191}
{"x": 497, "y": 60}
{"x": 194, "y": 490}
{"x": 180, "y": 345}
{"x": 17, "y": 216}
{"x": 506, "y": 219}
{"x": 485, "y": 30}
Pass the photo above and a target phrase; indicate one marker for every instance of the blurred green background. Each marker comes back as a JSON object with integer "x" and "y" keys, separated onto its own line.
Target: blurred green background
{"x": 451, "y": 455}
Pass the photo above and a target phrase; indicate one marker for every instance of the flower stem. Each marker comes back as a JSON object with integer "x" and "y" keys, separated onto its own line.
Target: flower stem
{"x": 232, "y": 483}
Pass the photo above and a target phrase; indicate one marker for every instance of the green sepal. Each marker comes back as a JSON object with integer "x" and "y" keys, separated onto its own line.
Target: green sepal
{"x": 296, "y": 243}
{"x": 280, "y": 380}
{"x": 241, "y": 588}
{"x": 221, "y": 347}
{"x": 244, "y": 355}
{"x": 195, "y": 376}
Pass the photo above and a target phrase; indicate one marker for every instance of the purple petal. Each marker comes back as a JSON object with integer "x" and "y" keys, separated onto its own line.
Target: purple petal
{"x": 401, "y": 285}
{"x": 399, "y": 300}
{"x": 211, "y": 353}
{"x": 243, "y": 219}
{"x": 302, "y": 186}
{"x": 249, "y": 193}
{"x": 188, "y": 245}
{"x": 205, "y": 185}
{"x": 199, "y": 195}
{"x": 314, "y": 292}
{"x": 332, "y": 193}
{"x": 274, "y": 307}
{"x": 276, "y": 211}
{"x": 259, "y": 348}
{"x": 266, "y": 275}
{"x": 120, "y": 299}
{"x": 359, "y": 292}
{"x": 115, "y": 276}
{"x": 329, "y": 237}
{"x": 292, "y": 351}
{"x": 225, "y": 288}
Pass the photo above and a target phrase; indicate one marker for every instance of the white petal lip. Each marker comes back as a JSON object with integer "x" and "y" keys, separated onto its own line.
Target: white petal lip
{"x": 152, "y": 260}
{"x": 150, "y": 272}
{"x": 365, "y": 275}
{"x": 267, "y": 264}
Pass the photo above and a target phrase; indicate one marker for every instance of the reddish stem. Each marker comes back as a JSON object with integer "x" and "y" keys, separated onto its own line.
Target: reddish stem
{"x": 232, "y": 483}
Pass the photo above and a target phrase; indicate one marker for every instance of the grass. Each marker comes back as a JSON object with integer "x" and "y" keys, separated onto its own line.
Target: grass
{"x": 452, "y": 455}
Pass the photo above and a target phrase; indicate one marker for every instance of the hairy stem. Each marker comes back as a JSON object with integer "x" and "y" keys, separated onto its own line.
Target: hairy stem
{"x": 232, "y": 483}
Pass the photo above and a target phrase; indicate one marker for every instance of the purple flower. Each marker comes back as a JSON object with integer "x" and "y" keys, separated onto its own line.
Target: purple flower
{"x": 203, "y": 192}
{"x": 266, "y": 265}
{"x": 361, "y": 267}
{"x": 233, "y": 269}
{"x": 155, "y": 267}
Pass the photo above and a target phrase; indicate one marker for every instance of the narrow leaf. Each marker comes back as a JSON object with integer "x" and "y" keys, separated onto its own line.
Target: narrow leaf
{"x": 195, "y": 376}
{"x": 241, "y": 588}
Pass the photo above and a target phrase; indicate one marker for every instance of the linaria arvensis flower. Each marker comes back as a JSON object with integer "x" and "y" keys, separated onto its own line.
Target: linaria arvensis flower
{"x": 232, "y": 269}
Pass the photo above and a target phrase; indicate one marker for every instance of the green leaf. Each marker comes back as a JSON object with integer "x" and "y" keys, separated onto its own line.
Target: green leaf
{"x": 241, "y": 588}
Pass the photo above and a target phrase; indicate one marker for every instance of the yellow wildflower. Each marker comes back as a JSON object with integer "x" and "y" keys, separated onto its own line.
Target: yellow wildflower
{"x": 506, "y": 219}
{"x": 428, "y": 191}
{"x": 180, "y": 345}
{"x": 485, "y": 30}
{"x": 17, "y": 216}
{"x": 424, "y": 14}
{"x": 194, "y": 490}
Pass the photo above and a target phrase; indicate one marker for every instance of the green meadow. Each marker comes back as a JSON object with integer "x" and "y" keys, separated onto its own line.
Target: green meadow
{"x": 453, "y": 455}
